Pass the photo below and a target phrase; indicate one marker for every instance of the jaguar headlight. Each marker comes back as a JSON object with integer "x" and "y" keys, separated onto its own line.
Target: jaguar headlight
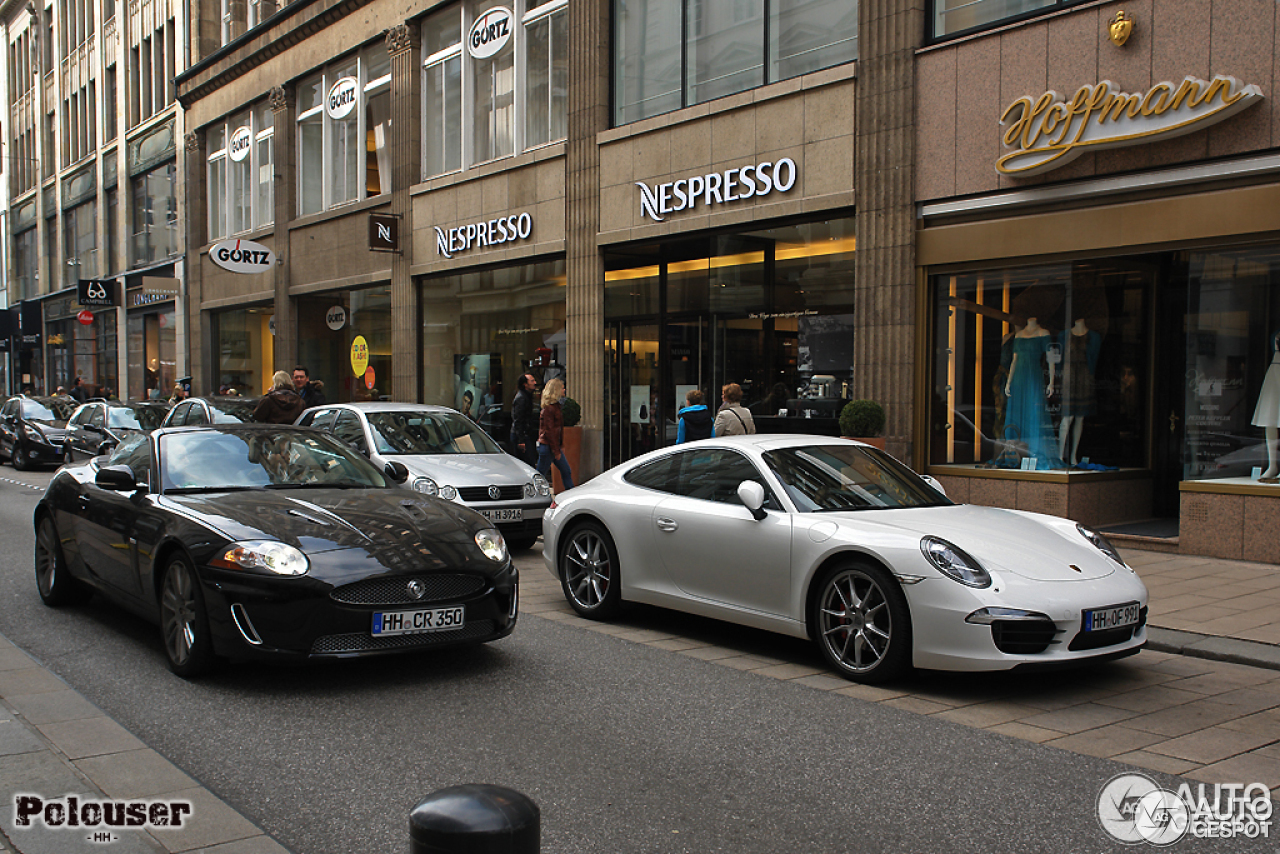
{"x": 954, "y": 562}
{"x": 492, "y": 544}
{"x": 426, "y": 486}
{"x": 1101, "y": 543}
{"x": 265, "y": 557}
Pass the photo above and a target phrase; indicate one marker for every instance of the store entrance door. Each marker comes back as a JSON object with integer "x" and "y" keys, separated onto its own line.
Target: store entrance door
{"x": 1169, "y": 396}
{"x": 635, "y": 399}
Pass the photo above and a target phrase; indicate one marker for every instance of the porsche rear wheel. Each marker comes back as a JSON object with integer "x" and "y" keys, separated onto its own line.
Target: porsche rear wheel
{"x": 53, "y": 581}
{"x": 184, "y": 621}
{"x": 589, "y": 572}
{"x": 862, "y": 624}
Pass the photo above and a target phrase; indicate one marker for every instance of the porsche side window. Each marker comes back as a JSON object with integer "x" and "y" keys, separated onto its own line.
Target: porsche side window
{"x": 714, "y": 475}
{"x": 347, "y": 428}
{"x": 661, "y": 474}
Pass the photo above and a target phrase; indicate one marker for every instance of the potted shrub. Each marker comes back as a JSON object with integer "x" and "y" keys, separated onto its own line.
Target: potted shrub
{"x": 863, "y": 420}
{"x": 571, "y": 442}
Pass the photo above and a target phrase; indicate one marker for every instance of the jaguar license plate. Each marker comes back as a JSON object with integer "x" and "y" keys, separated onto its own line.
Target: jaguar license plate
{"x": 386, "y": 623}
{"x": 516, "y": 515}
{"x": 1114, "y": 617}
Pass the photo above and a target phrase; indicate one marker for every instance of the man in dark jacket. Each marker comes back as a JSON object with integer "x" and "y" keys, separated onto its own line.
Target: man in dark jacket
{"x": 695, "y": 419}
{"x": 524, "y": 419}
{"x": 312, "y": 393}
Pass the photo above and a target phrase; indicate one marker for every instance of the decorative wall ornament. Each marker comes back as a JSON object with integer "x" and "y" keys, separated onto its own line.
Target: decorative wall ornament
{"x": 1121, "y": 28}
{"x": 278, "y": 98}
{"x": 400, "y": 38}
{"x": 192, "y": 141}
{"x": 1051, "y": 131}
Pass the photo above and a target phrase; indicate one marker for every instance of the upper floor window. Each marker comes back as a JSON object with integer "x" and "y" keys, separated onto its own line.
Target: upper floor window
{"x": 241, "y": 173}
{"x": 495, "y": 81}
{"x": 669, "y": 55}
{"x": 952, "y": 17}
{"x": 344, "y": 125}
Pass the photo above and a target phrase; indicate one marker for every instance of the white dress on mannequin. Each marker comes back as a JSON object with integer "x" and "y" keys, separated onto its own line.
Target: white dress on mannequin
{"x": 1267, "y": 412}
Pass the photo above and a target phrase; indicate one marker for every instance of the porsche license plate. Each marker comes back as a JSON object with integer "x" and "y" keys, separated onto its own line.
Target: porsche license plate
{"x": 417, "y": 622}
{"x": 516, "y": 515}
{"x": 1115, "y": 617}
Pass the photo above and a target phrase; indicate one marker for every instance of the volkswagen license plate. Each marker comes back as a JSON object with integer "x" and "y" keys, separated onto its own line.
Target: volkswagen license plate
{"x": 1115, "y": 617}
{"x": 516, "y": 515}
{"x": 417, "y": 622}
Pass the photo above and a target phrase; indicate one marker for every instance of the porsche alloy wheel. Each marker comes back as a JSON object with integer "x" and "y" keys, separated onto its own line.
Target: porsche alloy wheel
{"x": 589, "y": 572}
{"x": 183, "y": 621}
{"x": 862, "y": 624}
{"x": 54, "y": 583}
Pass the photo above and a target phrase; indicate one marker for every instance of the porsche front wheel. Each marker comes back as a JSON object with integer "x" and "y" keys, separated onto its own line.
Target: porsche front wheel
{"x": 589, "y": 572}
{"x": 862, "y": 623}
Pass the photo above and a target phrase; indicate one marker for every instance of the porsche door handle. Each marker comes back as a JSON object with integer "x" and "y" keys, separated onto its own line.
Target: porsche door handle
{"x": 665, "y": 524}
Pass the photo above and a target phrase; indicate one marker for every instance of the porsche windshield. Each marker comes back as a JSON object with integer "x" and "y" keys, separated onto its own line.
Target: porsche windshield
{"x": 825, "y": 478}
{"x": 411, "y": 432}
{"x": 260, "y": 459}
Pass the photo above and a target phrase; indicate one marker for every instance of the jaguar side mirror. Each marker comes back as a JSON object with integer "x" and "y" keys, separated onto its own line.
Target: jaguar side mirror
{"x": 396, "y": 471}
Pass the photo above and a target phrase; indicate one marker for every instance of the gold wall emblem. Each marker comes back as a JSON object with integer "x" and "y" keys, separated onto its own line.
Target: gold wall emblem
{"x": 1121, "y": 28}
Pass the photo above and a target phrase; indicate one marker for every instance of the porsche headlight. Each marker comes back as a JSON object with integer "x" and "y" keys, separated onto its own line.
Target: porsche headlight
{"x": 954, "y": 562}
{"x": 1102, "y": 543}
{"x": 538, "y": 487}
{"x": 263, "y": 556}
{"x": 492, "y": 544}
{"x": 426, "y": 486}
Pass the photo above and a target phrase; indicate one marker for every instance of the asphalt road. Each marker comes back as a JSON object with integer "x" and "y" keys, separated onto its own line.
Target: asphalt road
{"x": 625, "y": 747}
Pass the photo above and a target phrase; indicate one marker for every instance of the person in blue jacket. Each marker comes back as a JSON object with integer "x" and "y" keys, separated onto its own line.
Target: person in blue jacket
{"x": 695, "y": 420}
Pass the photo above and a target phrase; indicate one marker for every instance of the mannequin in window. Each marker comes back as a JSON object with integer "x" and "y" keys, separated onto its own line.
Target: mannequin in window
{"x": 1267, "y": 413}
{"x": 1027, "y": 390}
{"x": 1080, "y": 345}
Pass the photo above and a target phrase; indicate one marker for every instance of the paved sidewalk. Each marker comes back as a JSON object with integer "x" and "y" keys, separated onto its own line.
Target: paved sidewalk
{"x": 1198, "y": 713}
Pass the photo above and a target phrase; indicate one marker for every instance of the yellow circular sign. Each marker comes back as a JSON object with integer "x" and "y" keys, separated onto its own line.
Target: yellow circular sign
{"x": 359, "y": 355}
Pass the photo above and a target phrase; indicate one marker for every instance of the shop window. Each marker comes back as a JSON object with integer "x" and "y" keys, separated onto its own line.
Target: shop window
{"x": 240, "y": 173}
{"x": 953, "y": 17}
{"x": 1042, "y": 368}
{"x": 244, "y": 360}
{"x": 326, "y": 352}
{"x": 343, "y": 153}
{"x": 152, "y": 353}
{"x": 671, "y": 55}
{"x": 513, "y": 97}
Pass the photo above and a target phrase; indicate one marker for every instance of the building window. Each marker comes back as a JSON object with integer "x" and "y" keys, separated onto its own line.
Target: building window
{"x": 152, "y": 67}
{"x": 514, "y": 98}
{"x": 953, "y": 17}
{"x": 79, "y": 239}
{"x": 241, "y": 173}
{"x": 26, "y": 254}
{"x": 343, "y": 149}
{"x": 155, "y": 215}
{"x": 671, "y": 55}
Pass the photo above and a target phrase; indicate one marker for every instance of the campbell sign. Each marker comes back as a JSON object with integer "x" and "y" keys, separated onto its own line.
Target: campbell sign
{"x": 1051, "y": 131}
{"x": 242, "y": 256}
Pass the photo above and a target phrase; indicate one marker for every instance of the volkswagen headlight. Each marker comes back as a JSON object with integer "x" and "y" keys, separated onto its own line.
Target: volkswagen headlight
{"x": 266, "y": 557}
{"x": 954, "y": 562}
{"x": 448, "y": 493}
{"x": 1101, "y": 543}
{"x": 426, "y": 486}
{"x": 492, "y": 544}
{"x": 539, "y": 486}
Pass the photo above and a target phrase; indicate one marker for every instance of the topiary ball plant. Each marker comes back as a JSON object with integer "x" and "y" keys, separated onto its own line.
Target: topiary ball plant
{"x": 571, "y": 411}
{"x": 862, "y": 418}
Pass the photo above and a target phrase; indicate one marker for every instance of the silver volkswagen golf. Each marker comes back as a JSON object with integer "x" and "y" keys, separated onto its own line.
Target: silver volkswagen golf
{"x": 448, "y": 456}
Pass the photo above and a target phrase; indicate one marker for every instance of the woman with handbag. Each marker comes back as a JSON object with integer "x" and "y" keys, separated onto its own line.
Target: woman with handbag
{"x": 551, "y": 433}
{"x": 733, "y": 419}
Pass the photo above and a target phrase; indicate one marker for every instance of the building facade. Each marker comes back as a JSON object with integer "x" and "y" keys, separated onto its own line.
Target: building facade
{"x": 1045, "y": 250}
{"x": 94, "y": 194}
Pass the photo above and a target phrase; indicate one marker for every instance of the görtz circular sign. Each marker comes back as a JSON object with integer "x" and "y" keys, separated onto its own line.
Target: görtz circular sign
{"x": 242, "y": 256}
{"x": 241, "y": 140}
{"x": 490, "y": 33}
{"x": 342, "y": 97}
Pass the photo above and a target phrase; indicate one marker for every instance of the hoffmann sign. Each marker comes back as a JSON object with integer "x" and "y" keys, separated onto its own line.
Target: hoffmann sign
{"x": 1051, "y": 131}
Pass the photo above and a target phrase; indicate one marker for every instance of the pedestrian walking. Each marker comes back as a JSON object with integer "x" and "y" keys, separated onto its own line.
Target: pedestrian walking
{"x": 695, "y": 419}
{"x": 524, "y": 419}
{"x": 551, "y": 434}
{"x": 281, "y": 405}
{"x": 733, "y": 419}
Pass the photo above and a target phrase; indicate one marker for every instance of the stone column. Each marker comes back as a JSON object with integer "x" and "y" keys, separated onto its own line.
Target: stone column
{"x": 588, "y": 115}
{"x": 199, "y": 348}
{"x": 404, "y": 42}
{"x": 284, "y": 148}
{"x": 889, "y": 31}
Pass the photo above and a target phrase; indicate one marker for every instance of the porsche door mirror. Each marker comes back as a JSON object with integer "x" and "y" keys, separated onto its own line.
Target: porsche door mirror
{"x": 751, "y": 494}
{"x": 116, "y": 478}
{"x": 396, "y": 471}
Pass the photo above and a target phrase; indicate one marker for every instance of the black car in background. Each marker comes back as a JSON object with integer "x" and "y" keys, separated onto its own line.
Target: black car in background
{"x": 33, "y": 430}
{"x": 272, "y": 542}
{"x": 100, "y": 425}
{"x": 215, "y": 409}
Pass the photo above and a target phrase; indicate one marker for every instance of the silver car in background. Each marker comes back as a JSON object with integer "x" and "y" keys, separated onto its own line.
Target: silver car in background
{"x": 448, "y": 455}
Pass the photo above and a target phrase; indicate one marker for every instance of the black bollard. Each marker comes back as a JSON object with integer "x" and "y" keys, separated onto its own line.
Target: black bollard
{"x": 475, "y": 818}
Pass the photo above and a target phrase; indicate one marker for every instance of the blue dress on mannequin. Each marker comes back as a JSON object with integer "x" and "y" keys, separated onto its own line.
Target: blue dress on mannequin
{"x": 1026, "y": 409}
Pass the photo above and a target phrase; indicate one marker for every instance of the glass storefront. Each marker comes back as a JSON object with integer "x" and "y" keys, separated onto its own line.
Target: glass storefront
{"x": 331, "y": 331}
{"x": 88, "y": 351}
{"x": 244, "y": 355}
{"x": 153, "y": 353}
{"x": 769, "y": 309}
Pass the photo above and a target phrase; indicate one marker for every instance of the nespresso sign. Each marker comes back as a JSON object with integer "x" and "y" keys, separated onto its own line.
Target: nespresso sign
{"x": 716, "y": 188}
{"x": 1051, "y": 131}
{"x": 494, "y": 232}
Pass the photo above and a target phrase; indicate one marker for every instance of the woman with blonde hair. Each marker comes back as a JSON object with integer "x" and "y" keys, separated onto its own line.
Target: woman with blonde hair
{"x": 281, "y": 405}
{"x": 551, "y": 433}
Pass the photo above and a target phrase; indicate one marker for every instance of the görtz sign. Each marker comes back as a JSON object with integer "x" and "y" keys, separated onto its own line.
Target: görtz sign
{"x": 343, "y": 95}
{"x": 490, "y": 33}
{"x": 494, "y": 232}
{"x": 241, "y": 141}
{"x": 1051, "y": 131}
{"x": 716, "y": 188}
{"x": 242, "y": 256}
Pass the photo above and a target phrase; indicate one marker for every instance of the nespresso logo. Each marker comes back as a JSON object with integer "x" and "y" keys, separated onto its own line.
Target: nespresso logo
{"x": 716, "y": 188}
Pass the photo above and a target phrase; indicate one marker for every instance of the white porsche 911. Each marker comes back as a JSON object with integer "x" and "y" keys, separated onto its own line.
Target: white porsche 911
{"x": 839, "y": 542}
